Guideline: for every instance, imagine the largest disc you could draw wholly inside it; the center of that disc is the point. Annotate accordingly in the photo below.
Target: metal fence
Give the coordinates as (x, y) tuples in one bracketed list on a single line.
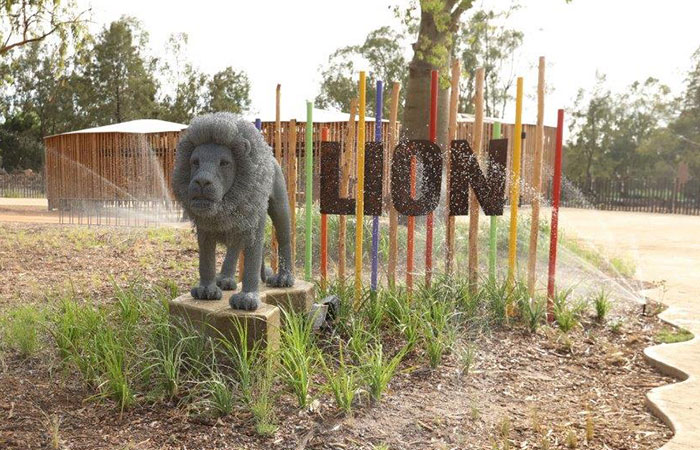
[(669, 197), (135, 213), (15, 186)]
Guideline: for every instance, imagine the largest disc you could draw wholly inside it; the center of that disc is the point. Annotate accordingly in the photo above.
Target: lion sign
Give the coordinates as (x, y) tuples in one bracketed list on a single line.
[(227, 179)]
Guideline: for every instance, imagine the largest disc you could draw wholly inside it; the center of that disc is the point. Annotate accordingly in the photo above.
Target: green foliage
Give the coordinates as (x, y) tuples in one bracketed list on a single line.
[(378, 371), (218, 394), (245, 359), (485, 41), (23, 23), (262, 406), (567, 313), (533, 311), (118, 80), (21, 330), (19, 142), (467, 355), (609, 131), (381, 53), (673, 335), (342, 382), (297, 355), (229, 91), (602, 304)]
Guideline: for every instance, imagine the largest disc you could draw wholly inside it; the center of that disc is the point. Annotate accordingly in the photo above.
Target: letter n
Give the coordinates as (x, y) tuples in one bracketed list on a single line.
[(465, 172)]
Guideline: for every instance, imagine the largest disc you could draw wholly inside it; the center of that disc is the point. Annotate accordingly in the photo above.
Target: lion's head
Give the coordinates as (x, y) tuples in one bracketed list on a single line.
[(223, 173)]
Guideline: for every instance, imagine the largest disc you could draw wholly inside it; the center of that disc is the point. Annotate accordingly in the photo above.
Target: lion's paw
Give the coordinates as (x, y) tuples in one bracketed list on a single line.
[(281, 279), (248, 301), (209, 292), (226, 283)]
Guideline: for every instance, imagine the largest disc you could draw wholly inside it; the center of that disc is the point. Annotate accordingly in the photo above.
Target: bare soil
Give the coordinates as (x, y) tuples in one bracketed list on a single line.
[(525, 391)]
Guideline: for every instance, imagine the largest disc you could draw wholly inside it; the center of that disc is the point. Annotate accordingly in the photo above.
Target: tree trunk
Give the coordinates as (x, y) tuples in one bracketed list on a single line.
[(431, 52), (416, 116)]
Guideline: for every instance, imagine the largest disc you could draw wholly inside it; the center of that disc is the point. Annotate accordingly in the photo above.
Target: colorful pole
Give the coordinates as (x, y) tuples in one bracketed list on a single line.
[(375, 220), (345, 186), (360, 195), (292, 185), (324, 232), (393, 214), (556, 191), (515, 182), (278, 157), (452, 135), (308, 194), (433, 138), (536, 183), (493, 229), (477, 144)]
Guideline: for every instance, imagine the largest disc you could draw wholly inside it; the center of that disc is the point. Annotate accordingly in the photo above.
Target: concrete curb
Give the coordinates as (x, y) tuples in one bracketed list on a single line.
[(673, 403)]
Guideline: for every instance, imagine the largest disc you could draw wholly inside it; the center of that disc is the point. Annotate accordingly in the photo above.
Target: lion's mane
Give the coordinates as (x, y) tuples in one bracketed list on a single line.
[(245, 204)]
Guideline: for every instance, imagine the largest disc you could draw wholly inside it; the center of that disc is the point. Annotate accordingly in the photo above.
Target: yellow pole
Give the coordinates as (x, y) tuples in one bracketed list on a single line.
[(359, 196), (515, 182)]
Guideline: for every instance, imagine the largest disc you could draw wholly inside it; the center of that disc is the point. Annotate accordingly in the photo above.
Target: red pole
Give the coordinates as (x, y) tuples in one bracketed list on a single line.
[(324, 231), (433, 138), (410, 232), (556, 191)]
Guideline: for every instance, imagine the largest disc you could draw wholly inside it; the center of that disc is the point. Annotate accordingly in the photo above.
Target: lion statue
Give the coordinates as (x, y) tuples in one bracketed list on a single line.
[(227, 179)]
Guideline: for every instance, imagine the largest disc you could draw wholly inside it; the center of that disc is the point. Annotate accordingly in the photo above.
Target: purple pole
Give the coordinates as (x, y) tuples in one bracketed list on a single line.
[(375, 219), (258, 124)]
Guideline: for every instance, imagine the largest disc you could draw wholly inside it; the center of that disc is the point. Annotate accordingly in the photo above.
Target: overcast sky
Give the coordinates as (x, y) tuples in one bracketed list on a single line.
[(285, 42)]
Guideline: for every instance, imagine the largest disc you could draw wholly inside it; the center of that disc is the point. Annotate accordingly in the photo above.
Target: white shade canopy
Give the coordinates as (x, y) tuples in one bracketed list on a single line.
[(141, 126)]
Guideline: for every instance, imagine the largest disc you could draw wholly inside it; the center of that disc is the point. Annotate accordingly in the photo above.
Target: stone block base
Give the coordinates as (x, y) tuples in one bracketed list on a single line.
[(216, 317)]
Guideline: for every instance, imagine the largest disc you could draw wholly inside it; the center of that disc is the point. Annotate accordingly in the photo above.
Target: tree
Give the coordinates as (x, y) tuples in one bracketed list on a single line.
[(665, 148), (381, 53), (486, 42), (438, 24), (612, 132), (118, 79), (183, 91), (591, 126), (26, 22), (44, 86), (19, 146), (228, 91)]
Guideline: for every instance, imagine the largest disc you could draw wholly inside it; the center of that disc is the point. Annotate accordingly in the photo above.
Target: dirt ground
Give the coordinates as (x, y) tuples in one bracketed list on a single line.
[(525, 390)]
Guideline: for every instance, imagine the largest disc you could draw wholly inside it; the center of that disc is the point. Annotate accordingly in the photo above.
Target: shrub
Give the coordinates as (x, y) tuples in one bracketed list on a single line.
[(378, 371), (342, 382), (297, 355), (602, 305), (21, 329)]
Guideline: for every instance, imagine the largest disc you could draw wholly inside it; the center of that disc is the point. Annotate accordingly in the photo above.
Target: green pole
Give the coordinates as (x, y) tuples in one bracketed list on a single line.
[(308, 194), (494, 223)]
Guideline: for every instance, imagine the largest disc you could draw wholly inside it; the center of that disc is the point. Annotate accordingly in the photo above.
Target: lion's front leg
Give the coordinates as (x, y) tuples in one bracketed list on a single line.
[(278, 209), (226, 279), (207, 289), (249, 298)]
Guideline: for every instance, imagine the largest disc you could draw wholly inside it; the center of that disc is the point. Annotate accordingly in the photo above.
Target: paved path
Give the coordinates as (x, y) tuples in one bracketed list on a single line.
[(665, 248), (26, 210)]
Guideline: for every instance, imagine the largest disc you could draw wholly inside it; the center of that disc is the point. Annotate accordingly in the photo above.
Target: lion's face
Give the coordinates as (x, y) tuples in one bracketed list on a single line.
[(212, 173)]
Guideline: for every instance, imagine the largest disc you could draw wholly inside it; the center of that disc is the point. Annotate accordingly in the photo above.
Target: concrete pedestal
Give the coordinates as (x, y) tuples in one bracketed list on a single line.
[(216, 317)]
